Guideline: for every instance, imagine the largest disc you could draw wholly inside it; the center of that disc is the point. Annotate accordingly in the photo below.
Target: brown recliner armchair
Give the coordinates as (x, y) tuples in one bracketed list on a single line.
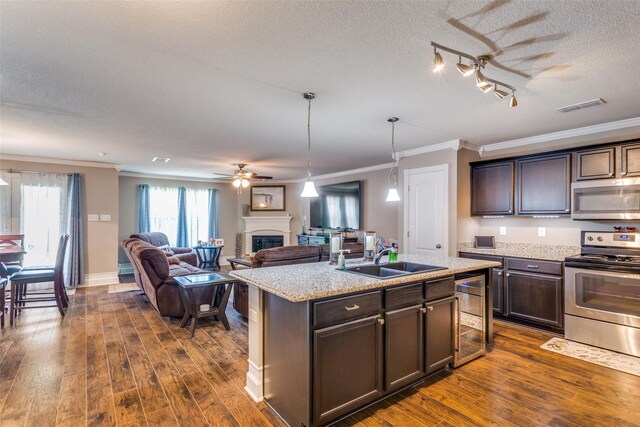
[(154, 273), (161, 240)]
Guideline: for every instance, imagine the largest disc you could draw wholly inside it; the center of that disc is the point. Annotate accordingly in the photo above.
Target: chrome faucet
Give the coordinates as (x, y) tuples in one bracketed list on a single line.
[(376, 261)]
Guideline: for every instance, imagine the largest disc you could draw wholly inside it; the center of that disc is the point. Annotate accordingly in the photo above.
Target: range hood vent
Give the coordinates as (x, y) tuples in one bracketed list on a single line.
[(582, 105)]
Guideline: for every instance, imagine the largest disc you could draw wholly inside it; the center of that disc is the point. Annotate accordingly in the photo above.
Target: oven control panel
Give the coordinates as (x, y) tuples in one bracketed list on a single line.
[(611, 239)]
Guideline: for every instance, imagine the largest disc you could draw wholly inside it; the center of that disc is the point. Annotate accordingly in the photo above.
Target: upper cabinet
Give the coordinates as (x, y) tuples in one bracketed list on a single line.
[(630, 163), (544, 185), (492, 188), (595, 164)]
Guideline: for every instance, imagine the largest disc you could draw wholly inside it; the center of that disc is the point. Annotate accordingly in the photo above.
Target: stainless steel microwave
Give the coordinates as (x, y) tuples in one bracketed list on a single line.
[(606, 199)]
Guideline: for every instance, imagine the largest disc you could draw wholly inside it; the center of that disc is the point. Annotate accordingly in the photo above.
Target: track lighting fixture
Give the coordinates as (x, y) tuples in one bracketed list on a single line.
[(476, 64)]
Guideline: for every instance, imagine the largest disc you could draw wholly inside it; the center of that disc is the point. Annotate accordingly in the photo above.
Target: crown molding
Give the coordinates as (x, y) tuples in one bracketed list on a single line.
[(173, 177), (565, 134), (20, 158), (454, 144)]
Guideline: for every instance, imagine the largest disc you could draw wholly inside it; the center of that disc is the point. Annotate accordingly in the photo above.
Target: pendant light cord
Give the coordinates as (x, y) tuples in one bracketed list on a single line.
[(392, 171), (309, 141)]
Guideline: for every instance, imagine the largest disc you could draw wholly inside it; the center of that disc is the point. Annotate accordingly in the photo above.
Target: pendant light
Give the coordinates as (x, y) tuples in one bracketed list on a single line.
[(309, 189), (3, 182), (393, 190)]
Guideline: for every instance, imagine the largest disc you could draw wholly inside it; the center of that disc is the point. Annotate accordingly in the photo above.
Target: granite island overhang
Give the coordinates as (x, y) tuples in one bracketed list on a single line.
[(291, 309)]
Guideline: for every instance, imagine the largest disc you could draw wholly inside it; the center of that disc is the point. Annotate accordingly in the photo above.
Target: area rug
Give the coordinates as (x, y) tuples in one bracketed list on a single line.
[(599, 356), (122, 287)]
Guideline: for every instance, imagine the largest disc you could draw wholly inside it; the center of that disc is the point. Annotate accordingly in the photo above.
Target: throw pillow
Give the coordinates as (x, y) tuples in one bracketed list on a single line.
[(173, 260), (166, 249)]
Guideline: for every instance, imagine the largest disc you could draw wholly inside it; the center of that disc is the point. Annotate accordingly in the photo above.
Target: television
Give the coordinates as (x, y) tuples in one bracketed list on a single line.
[(338, 206)]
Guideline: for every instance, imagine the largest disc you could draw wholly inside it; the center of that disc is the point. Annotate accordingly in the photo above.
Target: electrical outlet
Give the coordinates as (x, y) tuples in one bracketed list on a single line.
[(503, 231), (542, 231)]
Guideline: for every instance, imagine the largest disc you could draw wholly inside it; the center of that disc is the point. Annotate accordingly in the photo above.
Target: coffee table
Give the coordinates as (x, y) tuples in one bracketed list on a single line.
[(191, 309), (239, 261)]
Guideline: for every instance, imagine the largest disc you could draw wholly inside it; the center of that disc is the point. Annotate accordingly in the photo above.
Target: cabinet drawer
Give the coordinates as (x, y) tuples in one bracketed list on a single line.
[(535, 266), (403, 296), (347, 308), (439, 288)]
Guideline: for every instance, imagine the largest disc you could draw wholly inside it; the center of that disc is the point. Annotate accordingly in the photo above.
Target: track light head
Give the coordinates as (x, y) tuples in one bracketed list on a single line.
[(500, 93), (438, 62), (481, 80), (465, 70), (513, 102), (486, 87)]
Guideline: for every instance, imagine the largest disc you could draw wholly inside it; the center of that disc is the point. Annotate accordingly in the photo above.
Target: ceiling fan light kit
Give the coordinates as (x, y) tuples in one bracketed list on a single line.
[(484, 83)]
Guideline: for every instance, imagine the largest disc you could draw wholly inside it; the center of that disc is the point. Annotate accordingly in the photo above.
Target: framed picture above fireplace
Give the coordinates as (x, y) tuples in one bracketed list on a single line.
[(267, 198)]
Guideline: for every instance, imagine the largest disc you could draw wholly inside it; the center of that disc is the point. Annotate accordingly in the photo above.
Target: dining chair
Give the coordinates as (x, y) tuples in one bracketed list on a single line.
[(3, 287), (13, 262), (21, 280)]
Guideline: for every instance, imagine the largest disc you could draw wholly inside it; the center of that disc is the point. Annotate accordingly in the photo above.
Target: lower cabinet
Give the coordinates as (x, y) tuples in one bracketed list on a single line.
[(348, 367), (498, 290), (404, 346), (535, 298), (440, 325)]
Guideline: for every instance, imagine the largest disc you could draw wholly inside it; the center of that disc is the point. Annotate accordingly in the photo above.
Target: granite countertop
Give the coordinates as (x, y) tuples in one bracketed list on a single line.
[(524, 250), (305, 282)]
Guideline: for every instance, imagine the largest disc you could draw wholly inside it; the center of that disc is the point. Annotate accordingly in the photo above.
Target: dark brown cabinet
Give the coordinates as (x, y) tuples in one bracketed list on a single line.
[(498, 290), (630, 160), (348, 367), (544, 185), (595, 164), (534, 297), (439, 324), (492, 188), (404, 346)]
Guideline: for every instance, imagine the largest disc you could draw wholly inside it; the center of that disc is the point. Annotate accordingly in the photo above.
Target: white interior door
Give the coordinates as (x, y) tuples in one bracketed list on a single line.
[(426, 208)]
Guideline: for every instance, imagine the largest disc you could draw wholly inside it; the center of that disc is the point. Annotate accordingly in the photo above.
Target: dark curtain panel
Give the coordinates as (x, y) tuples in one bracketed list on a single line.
[(183, 234), (144, 223), (213, 213), (74, 268)]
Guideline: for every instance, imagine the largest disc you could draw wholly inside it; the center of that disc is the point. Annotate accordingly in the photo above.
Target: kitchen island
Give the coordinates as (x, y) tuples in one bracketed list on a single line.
[(323, 343)]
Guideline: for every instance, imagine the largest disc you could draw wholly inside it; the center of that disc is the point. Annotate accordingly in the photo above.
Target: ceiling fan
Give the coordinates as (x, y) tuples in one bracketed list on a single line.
[(241, 177)]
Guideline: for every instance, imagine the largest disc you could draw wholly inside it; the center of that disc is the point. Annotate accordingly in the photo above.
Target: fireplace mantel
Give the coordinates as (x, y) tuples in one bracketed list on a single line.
[(273, 225)]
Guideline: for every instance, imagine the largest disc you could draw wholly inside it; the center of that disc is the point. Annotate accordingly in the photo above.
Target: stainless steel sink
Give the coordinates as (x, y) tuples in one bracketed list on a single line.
[(393, 269)]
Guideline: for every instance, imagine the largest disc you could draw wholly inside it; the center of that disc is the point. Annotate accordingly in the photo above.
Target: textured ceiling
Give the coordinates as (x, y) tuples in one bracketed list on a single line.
[(212, 83)]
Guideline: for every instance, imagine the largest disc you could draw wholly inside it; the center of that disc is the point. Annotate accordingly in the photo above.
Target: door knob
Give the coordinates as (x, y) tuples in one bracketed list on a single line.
[(438, 246)]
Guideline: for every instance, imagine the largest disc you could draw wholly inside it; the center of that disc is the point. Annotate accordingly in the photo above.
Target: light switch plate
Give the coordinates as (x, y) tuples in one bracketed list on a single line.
[(503, 231), (542, 231), (93, 217), (105, 217)]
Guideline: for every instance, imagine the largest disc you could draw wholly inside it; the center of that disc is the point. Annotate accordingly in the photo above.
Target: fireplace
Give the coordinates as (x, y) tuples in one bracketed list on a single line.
[(266, 226), (266, 242)]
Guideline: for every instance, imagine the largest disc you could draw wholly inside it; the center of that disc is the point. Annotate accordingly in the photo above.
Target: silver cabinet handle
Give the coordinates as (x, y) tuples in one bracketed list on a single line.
[(424, 310), (508, 274), (567, 210), (533, 267), (353, 307), (500, 273), (430, 308), (381, 321)]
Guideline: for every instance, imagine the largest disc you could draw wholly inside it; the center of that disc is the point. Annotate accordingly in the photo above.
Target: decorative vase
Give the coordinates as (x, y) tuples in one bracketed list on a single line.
[(239, 244), (246, 211)]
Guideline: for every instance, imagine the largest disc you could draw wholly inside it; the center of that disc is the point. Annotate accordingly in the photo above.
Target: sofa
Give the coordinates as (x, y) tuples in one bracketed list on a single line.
[(161, 241), (288, 255), (154, 272)]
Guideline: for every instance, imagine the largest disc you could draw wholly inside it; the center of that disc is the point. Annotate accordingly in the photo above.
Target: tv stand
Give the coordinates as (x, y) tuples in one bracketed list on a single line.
[(320, 239)]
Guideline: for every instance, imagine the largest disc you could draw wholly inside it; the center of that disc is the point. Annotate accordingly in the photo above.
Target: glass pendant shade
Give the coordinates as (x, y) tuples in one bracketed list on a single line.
[(465, 70), (393, 195), (309, 190), (245, 183), (237, 182), (438, 62), (513, 102)]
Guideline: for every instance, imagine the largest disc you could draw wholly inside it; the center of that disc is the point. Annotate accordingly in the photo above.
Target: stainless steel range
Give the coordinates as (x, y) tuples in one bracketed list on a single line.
[(602, 292)]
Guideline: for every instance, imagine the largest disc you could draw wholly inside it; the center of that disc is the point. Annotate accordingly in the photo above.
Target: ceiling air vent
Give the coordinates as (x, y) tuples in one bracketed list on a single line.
[(160, 159), (582, 105)]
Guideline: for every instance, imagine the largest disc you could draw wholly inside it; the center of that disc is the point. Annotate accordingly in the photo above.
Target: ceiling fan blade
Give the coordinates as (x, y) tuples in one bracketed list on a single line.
[(261, 177)]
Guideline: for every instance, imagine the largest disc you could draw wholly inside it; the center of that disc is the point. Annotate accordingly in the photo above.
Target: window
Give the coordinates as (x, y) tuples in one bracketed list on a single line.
[(163, 213)]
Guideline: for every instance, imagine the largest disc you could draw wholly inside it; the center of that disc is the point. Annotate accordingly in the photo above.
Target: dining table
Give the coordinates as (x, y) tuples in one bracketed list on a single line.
[(12, 253)]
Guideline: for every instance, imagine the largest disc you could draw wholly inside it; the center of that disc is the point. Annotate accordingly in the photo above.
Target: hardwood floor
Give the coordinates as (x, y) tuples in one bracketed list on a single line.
[(113, 361)]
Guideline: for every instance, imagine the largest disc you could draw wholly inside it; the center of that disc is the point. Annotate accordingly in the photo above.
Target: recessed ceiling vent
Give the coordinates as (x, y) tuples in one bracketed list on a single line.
[(582, 105), (160, 159)]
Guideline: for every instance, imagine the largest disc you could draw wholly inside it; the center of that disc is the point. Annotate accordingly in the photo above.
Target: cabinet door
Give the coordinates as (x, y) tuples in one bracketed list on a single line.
[(534, 297), (303, 240), (630, 160), (544, 185), (440, 328), (498, 291), (347, 367), (492, 189), (404, 346), (595, 164)]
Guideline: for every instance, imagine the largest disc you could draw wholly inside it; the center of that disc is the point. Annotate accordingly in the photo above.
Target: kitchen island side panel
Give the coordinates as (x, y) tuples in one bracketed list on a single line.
[(287, 375)]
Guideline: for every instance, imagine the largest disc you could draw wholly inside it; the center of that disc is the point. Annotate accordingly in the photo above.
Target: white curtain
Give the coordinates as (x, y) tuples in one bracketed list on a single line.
[(43, 215), (163, 211), (197, 215)]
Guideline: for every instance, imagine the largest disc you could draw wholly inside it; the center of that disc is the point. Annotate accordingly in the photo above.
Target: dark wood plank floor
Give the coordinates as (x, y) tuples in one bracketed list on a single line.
[(113, 361)]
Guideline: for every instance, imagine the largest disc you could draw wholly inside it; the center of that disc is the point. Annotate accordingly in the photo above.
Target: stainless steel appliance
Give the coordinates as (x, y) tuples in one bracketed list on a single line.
[(470, 320), (602, 292), (606, 199)]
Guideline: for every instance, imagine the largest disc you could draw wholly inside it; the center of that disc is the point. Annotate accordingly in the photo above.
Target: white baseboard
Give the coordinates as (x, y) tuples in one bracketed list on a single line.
[(100, 279), (254, 382)]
